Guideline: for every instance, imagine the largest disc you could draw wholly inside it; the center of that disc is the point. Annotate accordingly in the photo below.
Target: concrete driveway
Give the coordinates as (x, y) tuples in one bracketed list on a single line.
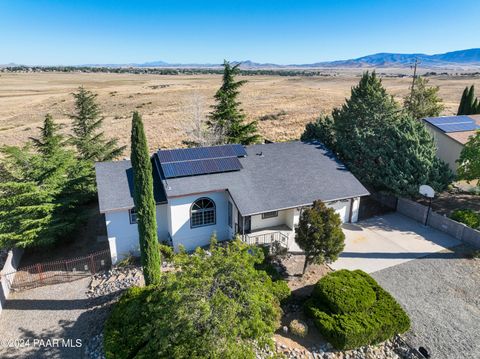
[(385, 241)]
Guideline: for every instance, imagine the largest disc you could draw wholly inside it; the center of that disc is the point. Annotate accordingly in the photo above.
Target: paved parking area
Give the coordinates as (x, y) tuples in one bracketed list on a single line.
[(441, 294), (385, 241), (46, 322)]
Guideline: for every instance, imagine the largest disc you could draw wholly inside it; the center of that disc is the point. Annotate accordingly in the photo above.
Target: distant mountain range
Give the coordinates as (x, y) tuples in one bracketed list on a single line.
[(455, 59)]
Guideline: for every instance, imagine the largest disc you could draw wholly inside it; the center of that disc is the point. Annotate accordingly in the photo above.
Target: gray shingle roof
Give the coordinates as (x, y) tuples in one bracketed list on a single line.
[(115, 185), (286, 175)]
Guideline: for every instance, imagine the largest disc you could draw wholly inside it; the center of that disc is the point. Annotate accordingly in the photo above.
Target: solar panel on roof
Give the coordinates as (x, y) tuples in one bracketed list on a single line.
[(449, 124), (200, 160), (189, 154), (199, 167)]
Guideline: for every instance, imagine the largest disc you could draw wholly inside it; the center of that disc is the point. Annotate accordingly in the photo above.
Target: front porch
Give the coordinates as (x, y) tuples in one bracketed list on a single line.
[(281, 234)]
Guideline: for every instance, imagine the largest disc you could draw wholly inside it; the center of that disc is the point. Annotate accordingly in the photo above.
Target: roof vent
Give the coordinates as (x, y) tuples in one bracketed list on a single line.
[(260, 154)]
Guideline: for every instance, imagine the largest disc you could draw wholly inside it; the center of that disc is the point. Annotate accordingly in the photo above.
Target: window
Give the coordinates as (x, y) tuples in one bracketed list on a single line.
[(267, 215), (133, 216), (202, 213), (230, 214)]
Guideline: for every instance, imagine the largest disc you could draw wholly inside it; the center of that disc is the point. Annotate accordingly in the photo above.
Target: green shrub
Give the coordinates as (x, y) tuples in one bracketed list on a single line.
[(298, 328), (214, 305), (348, 323), (281, 290), (466, 216), (345, 292), (129, 260), (166, 251)]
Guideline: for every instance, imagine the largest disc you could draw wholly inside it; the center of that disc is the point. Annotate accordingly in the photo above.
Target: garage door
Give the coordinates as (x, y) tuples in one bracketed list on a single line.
[(342, 208)]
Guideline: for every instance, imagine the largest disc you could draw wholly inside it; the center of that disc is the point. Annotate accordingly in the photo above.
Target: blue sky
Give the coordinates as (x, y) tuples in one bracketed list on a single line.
[(48, 32)]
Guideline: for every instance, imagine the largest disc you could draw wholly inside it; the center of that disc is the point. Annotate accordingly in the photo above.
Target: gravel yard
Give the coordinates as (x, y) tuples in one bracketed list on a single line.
[(60, 311), (441, 293)]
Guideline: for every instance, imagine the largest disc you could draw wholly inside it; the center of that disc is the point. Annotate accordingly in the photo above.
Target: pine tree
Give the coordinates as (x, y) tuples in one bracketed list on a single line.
[(145, 203), (87, 122), (227, 120), (423, 101), (50, 140), (41, 193), (382, 145), (368, 108)]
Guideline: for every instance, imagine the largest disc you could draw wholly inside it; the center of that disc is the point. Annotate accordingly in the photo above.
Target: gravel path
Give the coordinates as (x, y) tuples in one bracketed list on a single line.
[(59, 311), (441, 293)]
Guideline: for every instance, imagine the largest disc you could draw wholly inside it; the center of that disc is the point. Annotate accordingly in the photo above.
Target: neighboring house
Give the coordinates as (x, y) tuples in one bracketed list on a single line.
[(256, 191), (451, 133)]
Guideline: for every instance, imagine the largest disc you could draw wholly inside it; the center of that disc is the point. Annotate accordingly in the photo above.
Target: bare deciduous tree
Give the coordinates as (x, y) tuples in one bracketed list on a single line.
[(198, 133)]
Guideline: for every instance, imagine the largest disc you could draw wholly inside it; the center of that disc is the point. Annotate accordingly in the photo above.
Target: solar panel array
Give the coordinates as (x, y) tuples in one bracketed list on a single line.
[(200, 153), (200, 160), (450, 124)]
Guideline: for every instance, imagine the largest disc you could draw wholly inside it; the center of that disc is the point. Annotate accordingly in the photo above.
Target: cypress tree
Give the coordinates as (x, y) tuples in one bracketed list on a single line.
[(461, 106), (145, 203), (469, 102), (226, 120), (87, 122)]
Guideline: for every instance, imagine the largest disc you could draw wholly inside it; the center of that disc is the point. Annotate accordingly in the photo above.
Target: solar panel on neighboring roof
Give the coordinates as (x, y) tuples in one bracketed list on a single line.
[(200, 160), (450, 124)]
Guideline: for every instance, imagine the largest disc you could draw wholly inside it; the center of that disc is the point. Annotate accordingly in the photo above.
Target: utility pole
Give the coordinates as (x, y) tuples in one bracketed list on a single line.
[(414, 74)]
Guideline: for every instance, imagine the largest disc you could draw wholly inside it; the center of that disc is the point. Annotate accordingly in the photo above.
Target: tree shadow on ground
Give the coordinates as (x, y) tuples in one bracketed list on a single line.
[(66, 341)]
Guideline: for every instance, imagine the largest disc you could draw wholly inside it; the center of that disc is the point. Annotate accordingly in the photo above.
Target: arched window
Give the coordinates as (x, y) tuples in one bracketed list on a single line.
[(202, 213)]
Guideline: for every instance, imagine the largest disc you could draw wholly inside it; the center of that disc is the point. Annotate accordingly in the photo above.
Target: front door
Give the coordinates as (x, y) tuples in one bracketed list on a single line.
[(244, 224)]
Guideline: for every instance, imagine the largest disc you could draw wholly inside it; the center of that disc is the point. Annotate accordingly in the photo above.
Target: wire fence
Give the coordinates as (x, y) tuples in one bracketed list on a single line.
[(66, 270)]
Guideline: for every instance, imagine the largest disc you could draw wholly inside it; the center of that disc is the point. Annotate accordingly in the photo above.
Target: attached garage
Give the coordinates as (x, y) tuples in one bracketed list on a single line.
[(347, 209)]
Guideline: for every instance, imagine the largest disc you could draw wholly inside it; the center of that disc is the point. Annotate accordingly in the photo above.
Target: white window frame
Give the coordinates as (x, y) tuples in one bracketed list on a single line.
[(132, 215), (203, 212)]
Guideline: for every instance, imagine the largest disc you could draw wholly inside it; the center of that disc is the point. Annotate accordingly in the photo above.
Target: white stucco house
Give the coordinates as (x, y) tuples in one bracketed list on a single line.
[(256, 191)]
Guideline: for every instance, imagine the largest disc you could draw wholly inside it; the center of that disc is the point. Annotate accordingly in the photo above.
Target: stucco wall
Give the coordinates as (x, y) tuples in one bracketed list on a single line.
[(123, 236), (355, 208), (447, 149), (7, 274), (258, 222), (190, 238)]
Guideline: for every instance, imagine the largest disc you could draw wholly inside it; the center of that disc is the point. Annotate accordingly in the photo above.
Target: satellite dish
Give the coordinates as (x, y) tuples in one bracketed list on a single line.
[(427, 191)]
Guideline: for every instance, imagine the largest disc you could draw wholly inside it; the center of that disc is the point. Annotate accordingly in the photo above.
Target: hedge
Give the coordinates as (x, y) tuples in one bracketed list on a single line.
[(349, 323), (466, 216)]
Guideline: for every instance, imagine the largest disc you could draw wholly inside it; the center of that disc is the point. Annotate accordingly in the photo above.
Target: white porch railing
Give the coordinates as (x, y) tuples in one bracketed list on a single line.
[(266, 239)]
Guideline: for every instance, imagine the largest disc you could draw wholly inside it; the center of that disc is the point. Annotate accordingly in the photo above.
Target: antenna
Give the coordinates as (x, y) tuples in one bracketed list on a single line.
[(414, 66)]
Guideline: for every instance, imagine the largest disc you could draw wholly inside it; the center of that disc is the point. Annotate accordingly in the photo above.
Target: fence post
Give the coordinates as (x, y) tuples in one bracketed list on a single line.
[(92, 264), (66, 269), (39, 271)]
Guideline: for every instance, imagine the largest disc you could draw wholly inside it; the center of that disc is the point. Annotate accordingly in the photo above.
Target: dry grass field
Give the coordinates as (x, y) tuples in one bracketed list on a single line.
[(168, 103)]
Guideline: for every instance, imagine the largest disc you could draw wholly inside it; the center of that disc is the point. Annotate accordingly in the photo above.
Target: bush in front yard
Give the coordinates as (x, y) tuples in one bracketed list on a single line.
[(298, 328), (214, 304), (351, 310), (345, 292), (466, 216)]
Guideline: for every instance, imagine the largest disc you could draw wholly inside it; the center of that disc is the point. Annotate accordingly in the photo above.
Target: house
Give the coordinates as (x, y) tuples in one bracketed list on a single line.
[(255, 191), (451, 133)]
